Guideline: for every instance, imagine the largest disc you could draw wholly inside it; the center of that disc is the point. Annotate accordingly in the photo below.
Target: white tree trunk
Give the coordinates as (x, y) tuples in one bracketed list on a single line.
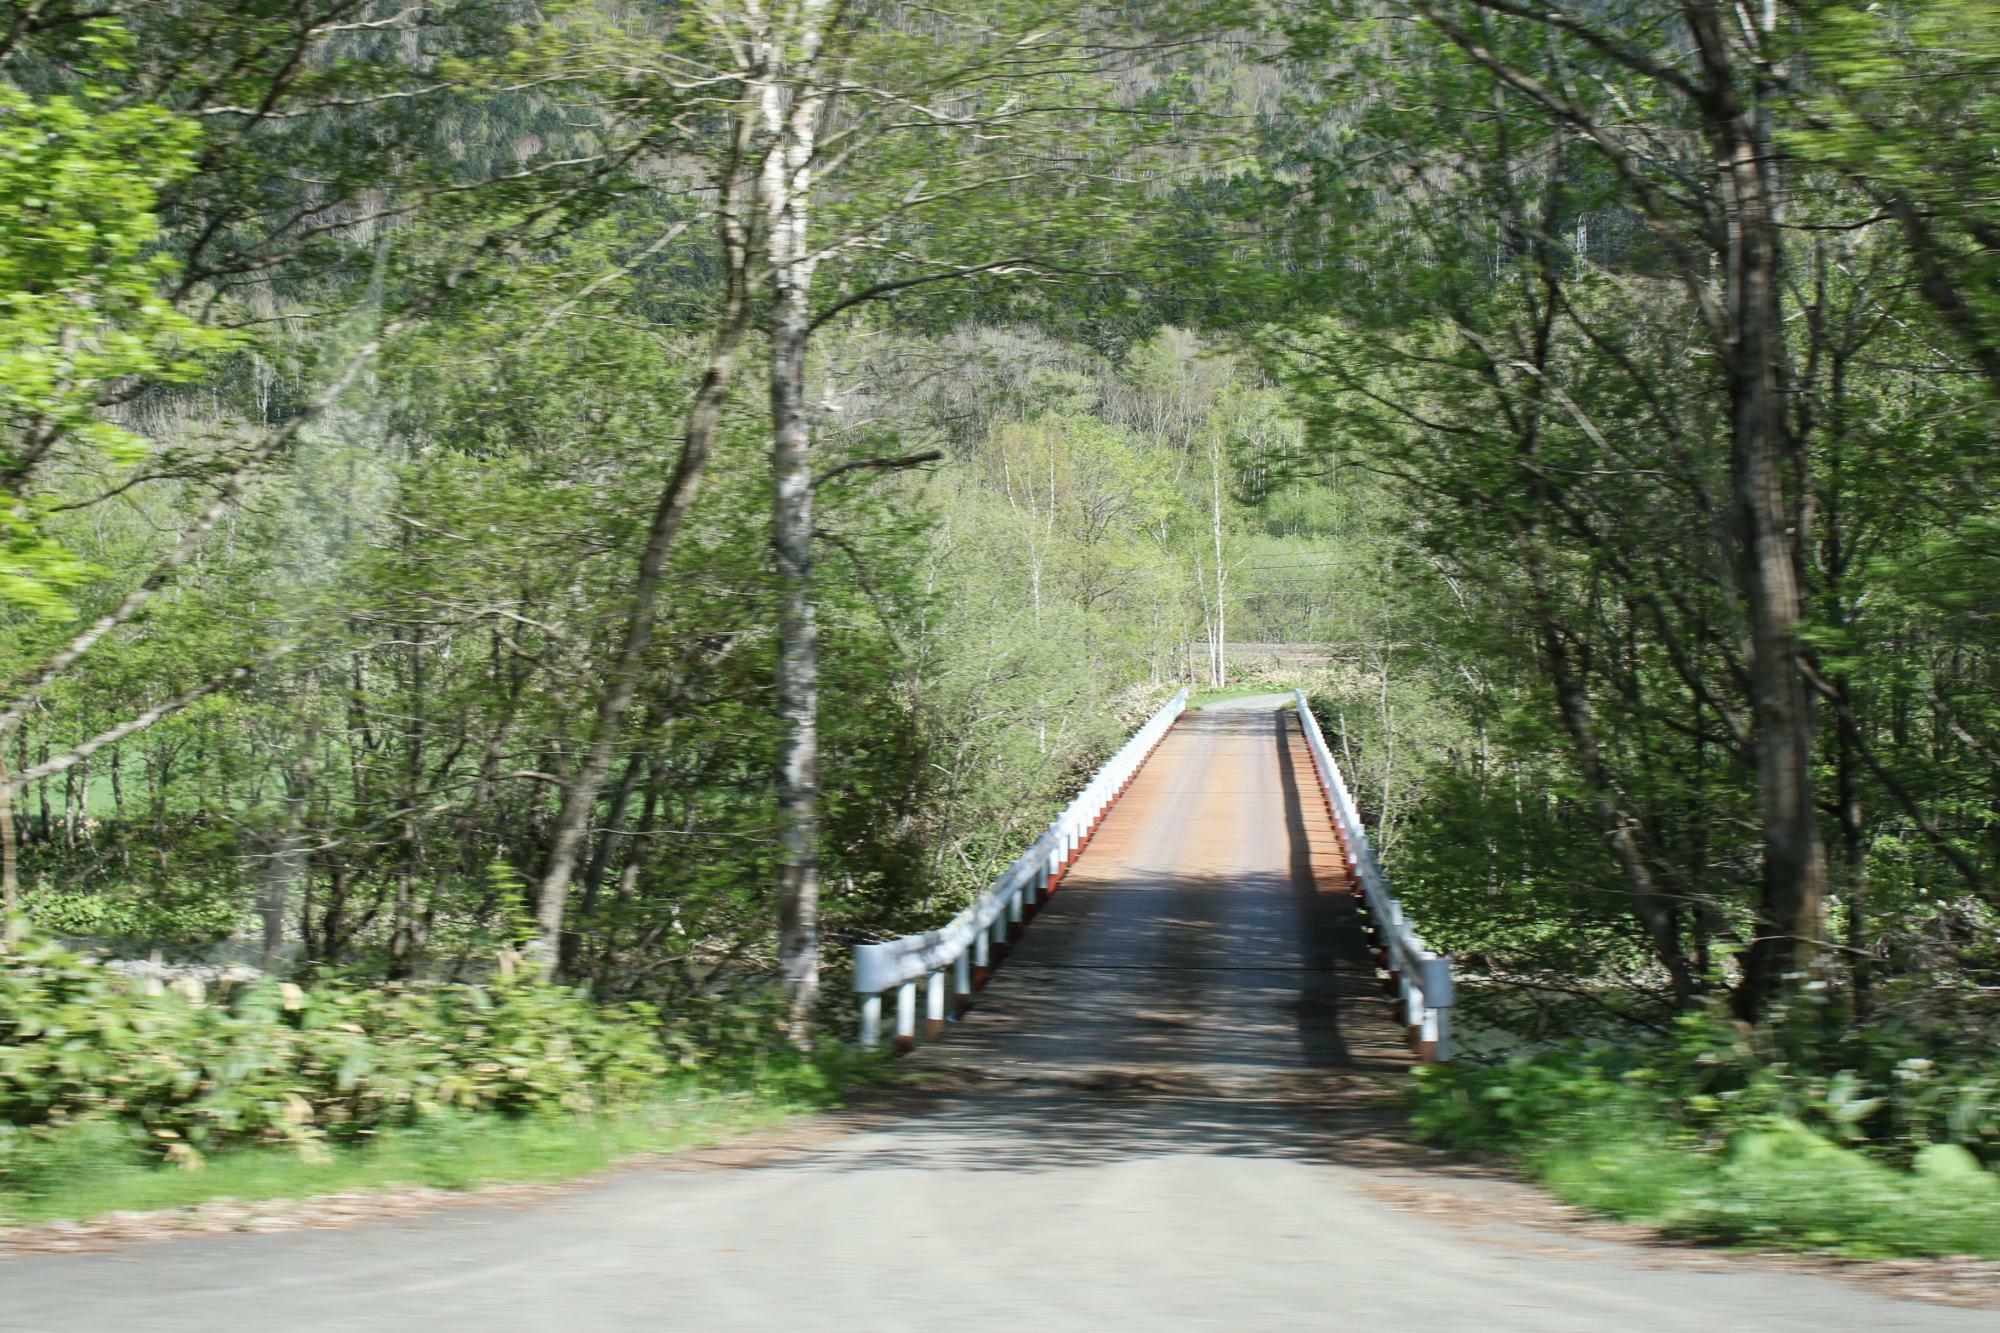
[(1221, 569), (792, 108)]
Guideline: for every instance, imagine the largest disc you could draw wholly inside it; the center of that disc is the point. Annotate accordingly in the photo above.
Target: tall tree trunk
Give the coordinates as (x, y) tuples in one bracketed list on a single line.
[(406, 934), (271, 902), (336, 907), (75, 786), (118, 807), (1221, 570), (788, 193), (621, 677), (798, 686), (1763, 450), (1854, 846), (1384, 828), (10, 886), (45, 819), (1618, 827), (600, 860)]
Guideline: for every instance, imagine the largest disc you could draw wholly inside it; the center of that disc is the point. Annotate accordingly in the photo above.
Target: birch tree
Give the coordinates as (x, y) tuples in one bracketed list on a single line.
[(906, 152)]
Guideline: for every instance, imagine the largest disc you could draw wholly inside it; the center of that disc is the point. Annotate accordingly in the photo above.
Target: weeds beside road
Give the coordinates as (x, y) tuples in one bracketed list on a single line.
[(117, 1095), (1867, 1145)]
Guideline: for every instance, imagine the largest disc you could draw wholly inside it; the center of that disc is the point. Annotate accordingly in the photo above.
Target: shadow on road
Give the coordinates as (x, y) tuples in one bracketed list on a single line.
[(1329, 926), (1053, 1123)]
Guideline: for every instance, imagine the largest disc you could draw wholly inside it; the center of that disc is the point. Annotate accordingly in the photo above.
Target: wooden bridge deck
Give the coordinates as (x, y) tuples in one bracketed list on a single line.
[(1208, 928)]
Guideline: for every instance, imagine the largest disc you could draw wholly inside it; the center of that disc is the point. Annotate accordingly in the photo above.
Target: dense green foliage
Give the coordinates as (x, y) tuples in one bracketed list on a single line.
[(1879, 1141), (313, 664), (1528, 325), (1664, 335), (114, 1087), (189, 1073)]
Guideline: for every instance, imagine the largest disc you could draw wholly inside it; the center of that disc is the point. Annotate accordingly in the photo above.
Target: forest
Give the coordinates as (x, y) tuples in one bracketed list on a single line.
[(608, 504)]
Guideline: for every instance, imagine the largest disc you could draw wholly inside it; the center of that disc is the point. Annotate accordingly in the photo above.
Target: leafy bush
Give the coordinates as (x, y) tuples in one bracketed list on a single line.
[(1893, 1089), (180, 910), (274, 1063), (1779, 1183), (1873, 1141)]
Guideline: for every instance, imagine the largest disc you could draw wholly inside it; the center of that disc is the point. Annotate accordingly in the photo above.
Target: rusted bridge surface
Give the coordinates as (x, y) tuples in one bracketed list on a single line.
[(1209, 926)]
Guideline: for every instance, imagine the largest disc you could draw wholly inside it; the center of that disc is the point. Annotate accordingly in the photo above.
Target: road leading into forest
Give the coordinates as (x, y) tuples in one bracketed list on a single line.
[(1171, 1109)]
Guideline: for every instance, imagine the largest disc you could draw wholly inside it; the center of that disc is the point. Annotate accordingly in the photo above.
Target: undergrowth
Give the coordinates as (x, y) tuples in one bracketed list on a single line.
[(90, 1169), (1868, 1143), (120, 1094)]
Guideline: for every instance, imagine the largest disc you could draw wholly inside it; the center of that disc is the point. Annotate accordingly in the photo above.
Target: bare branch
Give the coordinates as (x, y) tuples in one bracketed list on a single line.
[(879, 465)]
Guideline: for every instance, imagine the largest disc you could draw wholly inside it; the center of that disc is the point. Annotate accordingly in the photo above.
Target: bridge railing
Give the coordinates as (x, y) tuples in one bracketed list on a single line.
[(1419, 979), (949, 962)]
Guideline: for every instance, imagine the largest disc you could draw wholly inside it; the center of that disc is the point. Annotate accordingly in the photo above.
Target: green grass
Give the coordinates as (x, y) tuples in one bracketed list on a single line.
[(1708, 1167), (94, 1169), (1781, 1187)]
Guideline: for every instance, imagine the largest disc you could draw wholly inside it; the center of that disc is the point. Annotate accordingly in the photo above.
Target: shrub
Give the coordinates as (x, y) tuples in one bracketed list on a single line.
[(272, 1062), (1789, 1135), (1892, 1089), (179, 911)]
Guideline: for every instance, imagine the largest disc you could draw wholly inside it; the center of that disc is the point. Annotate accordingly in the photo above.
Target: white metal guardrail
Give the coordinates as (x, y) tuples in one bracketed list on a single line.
[(950, 962), (1419, 979)]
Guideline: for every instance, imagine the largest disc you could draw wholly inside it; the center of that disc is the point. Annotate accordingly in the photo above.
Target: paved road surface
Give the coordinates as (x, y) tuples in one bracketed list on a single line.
[(1167, 1112)]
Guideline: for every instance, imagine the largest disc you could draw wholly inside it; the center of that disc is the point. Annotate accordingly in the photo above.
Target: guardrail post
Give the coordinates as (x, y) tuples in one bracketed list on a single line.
[(934, 1005), (961, 983), (871, 1022), (1440, 994), (1394, 928), (906, 1015)]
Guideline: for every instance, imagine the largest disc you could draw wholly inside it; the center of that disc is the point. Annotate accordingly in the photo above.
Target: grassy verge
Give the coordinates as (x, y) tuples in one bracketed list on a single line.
[(1762, 1155), (117, 1096), (1779, 1186), (95, 1168)]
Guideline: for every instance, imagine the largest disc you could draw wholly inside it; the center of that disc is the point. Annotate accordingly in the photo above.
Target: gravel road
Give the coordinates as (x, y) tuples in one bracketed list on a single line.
[(1170, 1110)]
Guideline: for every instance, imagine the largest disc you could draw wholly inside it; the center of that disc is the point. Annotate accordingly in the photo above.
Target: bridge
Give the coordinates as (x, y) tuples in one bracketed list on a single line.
[(1215, 877), (1162, 1096)]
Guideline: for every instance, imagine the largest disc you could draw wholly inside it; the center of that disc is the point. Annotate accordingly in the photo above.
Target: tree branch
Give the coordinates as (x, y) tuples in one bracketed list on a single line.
[(141, 722), (879, 465)]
